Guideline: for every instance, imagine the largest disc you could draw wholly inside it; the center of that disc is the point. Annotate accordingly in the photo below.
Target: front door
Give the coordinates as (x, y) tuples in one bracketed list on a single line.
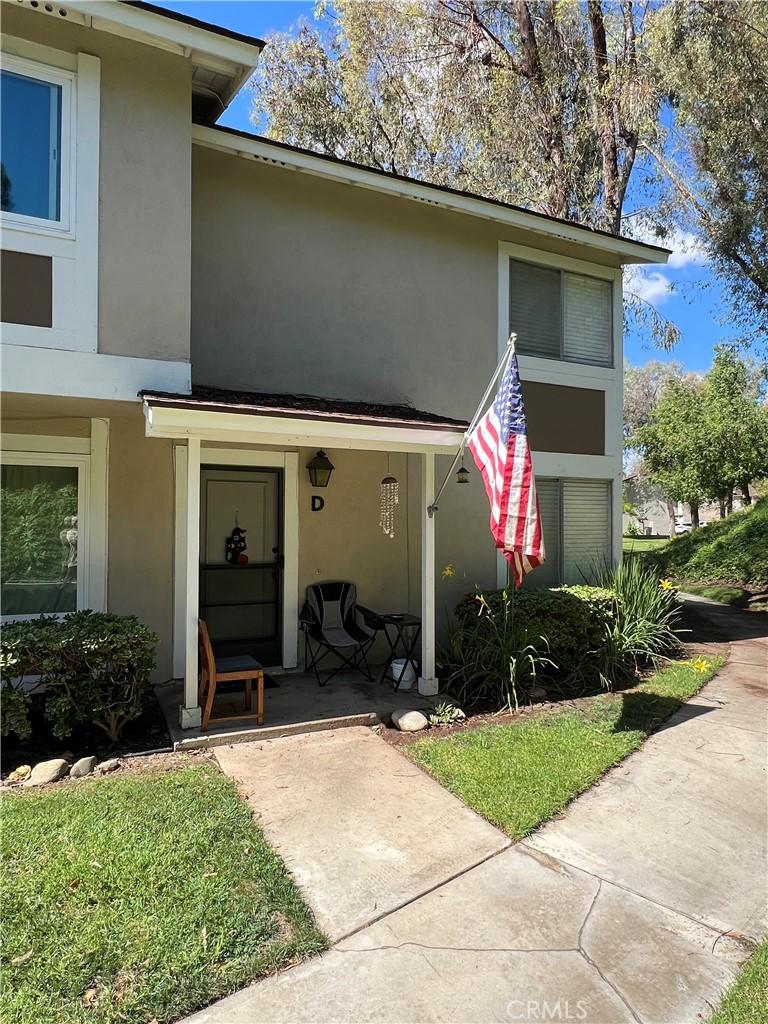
[(240, 593)]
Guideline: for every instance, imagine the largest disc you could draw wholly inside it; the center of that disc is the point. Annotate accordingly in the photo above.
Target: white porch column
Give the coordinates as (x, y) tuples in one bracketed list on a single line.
[(190, 713), (428, 679)]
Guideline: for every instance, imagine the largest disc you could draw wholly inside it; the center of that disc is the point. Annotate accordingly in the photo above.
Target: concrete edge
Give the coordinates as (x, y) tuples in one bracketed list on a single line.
[(272, 732)]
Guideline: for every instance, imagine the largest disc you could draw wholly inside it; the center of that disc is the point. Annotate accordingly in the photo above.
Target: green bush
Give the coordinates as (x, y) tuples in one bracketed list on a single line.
[(503, 642), (95, 667), (15, 712)]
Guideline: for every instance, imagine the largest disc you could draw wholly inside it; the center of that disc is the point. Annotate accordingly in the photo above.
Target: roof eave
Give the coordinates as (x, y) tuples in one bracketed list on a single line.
[(277, 154)]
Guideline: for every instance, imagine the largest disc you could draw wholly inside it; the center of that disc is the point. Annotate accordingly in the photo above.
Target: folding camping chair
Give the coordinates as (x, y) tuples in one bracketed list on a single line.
[(329, 623)]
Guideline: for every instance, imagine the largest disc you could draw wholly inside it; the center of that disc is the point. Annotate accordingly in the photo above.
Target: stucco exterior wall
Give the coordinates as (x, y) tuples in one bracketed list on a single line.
[(144, 186)]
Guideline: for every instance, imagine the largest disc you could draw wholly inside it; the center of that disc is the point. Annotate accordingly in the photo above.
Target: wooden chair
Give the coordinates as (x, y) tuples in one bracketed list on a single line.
[(226, 670)]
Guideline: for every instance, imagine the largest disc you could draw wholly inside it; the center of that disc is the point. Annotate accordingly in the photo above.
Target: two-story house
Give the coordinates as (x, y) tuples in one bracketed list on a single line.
[(191, 313)]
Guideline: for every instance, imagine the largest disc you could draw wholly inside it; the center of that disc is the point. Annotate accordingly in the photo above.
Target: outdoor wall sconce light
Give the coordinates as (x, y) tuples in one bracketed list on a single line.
[(320, 469), (462, 474)]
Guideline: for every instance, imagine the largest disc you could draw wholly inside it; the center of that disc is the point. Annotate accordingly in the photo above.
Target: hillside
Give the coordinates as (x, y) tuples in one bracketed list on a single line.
[(730, 551)]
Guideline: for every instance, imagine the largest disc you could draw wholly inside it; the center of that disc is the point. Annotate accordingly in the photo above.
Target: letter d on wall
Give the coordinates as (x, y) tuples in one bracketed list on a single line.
[(318, 503)]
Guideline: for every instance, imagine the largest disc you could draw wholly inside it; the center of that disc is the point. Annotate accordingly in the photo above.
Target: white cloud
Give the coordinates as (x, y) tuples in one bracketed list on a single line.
[(651, 285), (687, 248)]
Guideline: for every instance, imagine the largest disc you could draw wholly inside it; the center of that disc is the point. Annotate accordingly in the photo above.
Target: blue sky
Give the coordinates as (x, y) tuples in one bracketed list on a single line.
[(676, 290)]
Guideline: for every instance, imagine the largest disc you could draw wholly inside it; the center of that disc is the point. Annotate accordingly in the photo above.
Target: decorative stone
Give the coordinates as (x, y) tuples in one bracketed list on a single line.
[(538, 694), (47, 771), (20, 773), (409, 721), (110, 765), (82, 767)]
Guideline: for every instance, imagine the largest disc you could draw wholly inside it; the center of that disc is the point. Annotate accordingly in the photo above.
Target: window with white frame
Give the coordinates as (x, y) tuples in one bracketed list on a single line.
[(576, 523), (36, 144), (44, 539), (558, 314)]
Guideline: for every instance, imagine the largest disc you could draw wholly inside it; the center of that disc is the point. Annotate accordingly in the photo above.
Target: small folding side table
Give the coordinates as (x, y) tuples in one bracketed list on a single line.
[(403, 632)]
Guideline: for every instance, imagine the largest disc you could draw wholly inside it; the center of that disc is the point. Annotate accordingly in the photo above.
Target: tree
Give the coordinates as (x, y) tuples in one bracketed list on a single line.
[(643, 387), (536, 103), (711, 61), (707, 436)]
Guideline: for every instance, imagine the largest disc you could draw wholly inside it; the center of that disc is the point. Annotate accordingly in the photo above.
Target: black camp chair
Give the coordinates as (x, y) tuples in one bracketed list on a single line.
[(329, 623)]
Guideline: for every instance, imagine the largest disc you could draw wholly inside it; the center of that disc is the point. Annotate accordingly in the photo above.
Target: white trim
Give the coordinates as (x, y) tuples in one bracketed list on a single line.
[(309, 163), (30, 371), (98, 503), (579, 467), (288, 462), (192, 572), (179, 561), (427, 680), (65, 79), (45, 443), (90, 457), (235, 427), (73, 241)]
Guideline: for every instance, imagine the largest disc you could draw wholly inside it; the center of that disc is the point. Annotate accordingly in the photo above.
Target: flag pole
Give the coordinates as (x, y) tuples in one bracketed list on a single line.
[(508, 352)]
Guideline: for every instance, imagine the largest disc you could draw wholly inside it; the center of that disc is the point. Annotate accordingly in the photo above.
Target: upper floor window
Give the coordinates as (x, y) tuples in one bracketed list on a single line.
[(35, 144), (560, 315)]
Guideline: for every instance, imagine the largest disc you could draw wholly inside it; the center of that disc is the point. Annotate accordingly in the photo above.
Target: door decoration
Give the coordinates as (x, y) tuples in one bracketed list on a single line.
[(389, 499), (236, 546)]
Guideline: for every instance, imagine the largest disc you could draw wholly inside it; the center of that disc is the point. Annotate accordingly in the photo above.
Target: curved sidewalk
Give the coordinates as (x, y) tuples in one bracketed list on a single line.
[(638, 905)]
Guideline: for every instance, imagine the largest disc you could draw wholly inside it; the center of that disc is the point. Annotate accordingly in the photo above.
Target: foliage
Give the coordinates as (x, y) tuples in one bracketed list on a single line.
[(522, 774), (539, 104), (731, 551), (711, 61), (704, 438), (95, 667), (140, 897), (502, 642), (746, 1001), (643, 387), (633, 530), (15, 712), (446, 713), (32, 519), (642, 628)]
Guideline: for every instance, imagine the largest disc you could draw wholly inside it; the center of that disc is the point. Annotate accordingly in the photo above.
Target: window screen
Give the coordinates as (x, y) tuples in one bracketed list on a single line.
[(548, 574), (586, 528), (558, 315), (587, 320), (534, 309)]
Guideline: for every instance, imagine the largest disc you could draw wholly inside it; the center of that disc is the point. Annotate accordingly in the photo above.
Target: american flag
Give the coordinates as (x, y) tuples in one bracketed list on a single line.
[(499, 446)]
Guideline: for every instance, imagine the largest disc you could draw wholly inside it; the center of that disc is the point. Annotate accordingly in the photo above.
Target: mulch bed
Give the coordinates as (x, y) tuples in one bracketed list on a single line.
[(539, 710)]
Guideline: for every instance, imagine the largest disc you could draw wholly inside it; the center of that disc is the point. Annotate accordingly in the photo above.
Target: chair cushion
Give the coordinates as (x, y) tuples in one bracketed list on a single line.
[(239, 663)]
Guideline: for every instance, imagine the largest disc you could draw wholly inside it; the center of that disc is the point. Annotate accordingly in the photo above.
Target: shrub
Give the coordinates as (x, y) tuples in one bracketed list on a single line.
[(95, 667), (502, 641), (15, 710)]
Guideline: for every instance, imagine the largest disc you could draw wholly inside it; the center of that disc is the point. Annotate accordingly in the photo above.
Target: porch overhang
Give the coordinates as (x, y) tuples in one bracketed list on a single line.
[(298, 420)]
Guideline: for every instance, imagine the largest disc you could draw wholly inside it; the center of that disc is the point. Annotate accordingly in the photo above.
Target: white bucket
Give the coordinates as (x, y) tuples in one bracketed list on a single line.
[(399, 665)]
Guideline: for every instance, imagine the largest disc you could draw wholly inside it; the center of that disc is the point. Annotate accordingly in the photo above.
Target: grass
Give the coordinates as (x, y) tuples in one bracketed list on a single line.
[(640, 544), (731, 551), (138, 898), (726, 595), (519, 775), (746, 1001)]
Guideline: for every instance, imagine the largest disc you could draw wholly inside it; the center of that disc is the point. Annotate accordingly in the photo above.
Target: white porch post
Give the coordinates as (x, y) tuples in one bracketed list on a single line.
[(427, 680), (190, 713)]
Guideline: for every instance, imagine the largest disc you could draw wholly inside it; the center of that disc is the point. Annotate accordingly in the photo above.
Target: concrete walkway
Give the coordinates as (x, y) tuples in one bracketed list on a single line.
[(638, 905)]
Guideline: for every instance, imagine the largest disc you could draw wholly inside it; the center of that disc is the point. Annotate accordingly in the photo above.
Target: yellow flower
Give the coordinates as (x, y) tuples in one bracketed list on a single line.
[(448, 571), (666, 584), (701, 664)]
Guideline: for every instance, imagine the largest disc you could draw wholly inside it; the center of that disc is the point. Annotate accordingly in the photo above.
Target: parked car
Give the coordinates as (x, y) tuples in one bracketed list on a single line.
[(683, 527)]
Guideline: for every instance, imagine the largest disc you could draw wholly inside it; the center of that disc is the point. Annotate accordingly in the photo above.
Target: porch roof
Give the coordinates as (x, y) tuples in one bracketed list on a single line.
[(299, 419)]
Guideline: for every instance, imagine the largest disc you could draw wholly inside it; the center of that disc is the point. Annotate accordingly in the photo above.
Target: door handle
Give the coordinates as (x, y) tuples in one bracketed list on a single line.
[(279, 558)]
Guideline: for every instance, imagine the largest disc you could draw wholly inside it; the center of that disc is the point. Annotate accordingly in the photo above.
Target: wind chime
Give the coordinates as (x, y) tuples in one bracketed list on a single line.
[(389, 498)]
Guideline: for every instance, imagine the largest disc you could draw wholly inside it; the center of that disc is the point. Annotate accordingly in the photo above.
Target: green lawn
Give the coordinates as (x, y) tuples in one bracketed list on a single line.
[(139, 897), (640, 544), (746, 1001), (519, 775)]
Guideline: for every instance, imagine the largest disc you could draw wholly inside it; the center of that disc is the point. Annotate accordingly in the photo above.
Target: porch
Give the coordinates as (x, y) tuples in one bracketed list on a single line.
[(243, 459), (296, 704)]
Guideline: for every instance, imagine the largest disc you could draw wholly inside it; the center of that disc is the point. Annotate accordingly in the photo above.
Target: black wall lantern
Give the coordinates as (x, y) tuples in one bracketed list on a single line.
[(320, 469)]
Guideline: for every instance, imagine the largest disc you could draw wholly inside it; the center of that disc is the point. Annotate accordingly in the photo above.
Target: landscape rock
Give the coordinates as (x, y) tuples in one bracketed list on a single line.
[(47, 771), (20, 773), (409, 721), (110, 765), (537, 695), (82, 767)]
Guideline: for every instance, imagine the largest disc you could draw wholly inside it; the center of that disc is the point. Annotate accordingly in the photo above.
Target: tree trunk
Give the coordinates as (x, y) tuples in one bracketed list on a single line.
[(729, 501), (721, 503), (695, 514), (745, 491), (671, 514)]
